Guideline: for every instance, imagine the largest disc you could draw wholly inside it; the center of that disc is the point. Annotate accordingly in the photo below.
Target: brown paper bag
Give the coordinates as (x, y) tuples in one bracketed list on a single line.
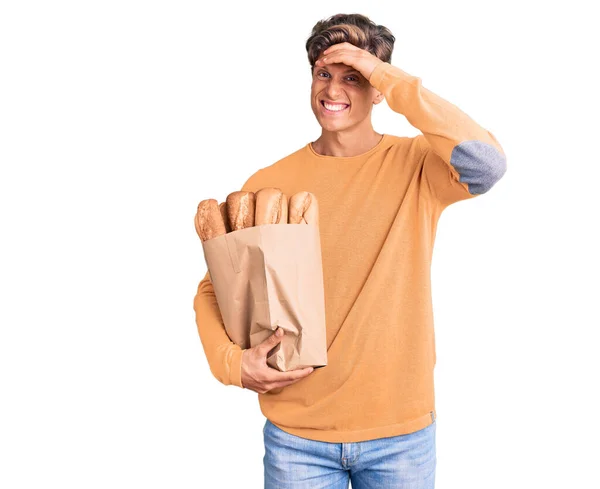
[(268, 276)]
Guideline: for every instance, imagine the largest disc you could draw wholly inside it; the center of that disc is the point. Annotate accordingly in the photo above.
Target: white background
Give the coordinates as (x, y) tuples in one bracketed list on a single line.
[(118, 117)]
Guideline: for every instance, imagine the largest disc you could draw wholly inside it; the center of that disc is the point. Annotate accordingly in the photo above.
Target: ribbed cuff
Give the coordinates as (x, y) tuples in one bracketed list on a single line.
[(383, 70), (235, 368), (378, 74)]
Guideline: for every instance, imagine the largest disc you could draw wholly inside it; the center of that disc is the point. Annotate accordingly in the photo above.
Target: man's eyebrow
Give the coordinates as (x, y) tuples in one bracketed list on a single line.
[(348, 70)]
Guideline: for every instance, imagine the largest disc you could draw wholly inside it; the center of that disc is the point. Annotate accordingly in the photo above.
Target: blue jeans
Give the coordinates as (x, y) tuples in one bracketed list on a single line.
[(403, 462)]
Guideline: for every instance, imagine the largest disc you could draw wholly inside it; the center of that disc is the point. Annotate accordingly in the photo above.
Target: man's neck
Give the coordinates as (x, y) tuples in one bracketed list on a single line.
[(340, 144)]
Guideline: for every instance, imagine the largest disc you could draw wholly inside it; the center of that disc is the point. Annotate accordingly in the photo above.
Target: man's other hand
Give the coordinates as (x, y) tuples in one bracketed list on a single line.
[(258, 376)]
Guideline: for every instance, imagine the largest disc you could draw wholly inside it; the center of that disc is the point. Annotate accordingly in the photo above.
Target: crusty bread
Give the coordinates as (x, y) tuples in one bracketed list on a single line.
[(240, 209), (271, 207), (224, 216), (283, 219), (303, 209), (208, 221)]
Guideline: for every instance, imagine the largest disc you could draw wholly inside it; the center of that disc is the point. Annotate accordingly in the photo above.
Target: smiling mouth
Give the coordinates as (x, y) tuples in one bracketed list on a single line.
[(335, 108)]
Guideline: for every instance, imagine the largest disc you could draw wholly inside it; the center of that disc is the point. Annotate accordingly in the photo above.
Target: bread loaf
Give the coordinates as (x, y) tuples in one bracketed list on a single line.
[(271, 207), (303, 209), (223, 209), (240, 209), (284, 210), (208, 221)]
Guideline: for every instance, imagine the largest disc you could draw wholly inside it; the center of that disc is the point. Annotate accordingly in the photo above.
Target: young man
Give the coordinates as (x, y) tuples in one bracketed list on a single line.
[(369, 415)]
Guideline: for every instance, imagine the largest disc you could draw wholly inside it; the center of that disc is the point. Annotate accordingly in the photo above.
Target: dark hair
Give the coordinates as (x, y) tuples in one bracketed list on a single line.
[(356, 29)]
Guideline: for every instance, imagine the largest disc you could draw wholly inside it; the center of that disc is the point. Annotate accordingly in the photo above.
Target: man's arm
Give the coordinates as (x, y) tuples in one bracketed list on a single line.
[(223, 355), (461, 159)]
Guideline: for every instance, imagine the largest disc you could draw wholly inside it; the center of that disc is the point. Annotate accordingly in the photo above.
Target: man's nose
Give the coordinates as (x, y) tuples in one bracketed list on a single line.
[(334, 89)]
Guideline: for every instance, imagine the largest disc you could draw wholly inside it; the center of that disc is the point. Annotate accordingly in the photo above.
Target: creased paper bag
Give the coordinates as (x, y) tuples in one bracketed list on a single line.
[(268, 276)]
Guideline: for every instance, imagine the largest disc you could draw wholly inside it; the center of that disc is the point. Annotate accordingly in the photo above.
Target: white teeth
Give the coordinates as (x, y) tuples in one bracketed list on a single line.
[(334, 107)]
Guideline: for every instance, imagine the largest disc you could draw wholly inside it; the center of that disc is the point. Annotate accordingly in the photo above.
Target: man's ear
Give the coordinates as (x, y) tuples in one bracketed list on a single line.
[(378, 97)]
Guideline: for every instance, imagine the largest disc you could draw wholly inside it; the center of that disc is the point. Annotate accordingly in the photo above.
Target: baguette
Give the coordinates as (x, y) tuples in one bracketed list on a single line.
[(208, 221), (283, 219), (303, 209), (223, 209), (271, 207), (240, 209)]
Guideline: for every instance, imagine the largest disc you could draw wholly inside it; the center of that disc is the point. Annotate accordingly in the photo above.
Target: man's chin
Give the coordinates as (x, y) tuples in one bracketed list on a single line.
[(333, 125)]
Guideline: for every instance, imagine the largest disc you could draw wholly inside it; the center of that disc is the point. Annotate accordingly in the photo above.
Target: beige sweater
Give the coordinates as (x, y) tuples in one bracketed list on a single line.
[(378, 217)]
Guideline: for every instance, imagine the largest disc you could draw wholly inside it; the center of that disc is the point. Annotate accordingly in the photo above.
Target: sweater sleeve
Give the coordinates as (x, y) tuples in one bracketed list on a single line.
[(460, 159), (223, 355)]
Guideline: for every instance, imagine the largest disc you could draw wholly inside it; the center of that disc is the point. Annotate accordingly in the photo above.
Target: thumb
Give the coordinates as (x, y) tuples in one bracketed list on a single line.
[(271, 341)]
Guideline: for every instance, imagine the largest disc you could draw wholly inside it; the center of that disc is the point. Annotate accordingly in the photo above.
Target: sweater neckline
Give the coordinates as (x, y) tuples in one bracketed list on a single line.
[(375, 148)]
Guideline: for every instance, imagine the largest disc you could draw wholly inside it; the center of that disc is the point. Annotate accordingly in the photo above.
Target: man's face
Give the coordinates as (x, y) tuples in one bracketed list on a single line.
[(341, 84)]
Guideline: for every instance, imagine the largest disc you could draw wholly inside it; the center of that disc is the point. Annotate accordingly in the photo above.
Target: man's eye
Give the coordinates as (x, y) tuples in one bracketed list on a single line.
[(353, 78)]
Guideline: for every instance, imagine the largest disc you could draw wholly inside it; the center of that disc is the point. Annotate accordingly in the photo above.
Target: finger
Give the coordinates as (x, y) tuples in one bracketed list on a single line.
[(292, 375), (331, 57), (338, 57), (268, 344), (338, 46), (283, 383)]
